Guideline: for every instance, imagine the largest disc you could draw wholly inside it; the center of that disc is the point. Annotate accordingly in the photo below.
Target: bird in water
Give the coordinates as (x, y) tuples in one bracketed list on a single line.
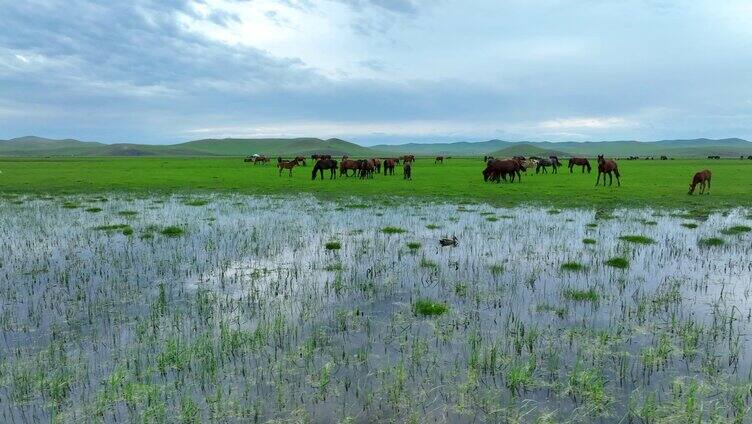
[(449, 241)]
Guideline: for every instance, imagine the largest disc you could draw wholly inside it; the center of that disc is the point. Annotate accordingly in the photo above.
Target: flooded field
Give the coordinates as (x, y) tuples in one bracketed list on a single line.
[(258, 309)]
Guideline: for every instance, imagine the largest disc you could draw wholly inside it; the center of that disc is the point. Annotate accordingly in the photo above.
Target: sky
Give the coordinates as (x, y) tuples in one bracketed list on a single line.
[(376, 71)]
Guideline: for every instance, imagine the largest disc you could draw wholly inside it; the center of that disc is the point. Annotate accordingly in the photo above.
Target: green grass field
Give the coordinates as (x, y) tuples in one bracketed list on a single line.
[(644, 183)]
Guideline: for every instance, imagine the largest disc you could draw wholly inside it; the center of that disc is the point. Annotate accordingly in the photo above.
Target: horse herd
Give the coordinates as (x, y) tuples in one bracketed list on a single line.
[(495, 171)]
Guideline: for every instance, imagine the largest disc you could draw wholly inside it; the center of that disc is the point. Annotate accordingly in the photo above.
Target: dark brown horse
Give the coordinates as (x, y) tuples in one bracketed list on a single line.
[(300, 160), (347, 165), (583, 162), (376, 165), (606, 167), (439, 159), (543, 165), (407, 170), (408, 158), (389, 166), (317, 156), (702, 178), (286, 164), (498, 169), (323, 164), (365, 168)]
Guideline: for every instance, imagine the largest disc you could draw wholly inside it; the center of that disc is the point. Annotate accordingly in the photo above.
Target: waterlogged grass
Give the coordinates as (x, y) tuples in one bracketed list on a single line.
[(589, 295), (637, 239), (93, 210), (711, 242), (333, 245), (589, 241), (249, 318), (736, 230), (690, 225), (172, 231), (429, 308), (618, 262), (572, 266), (393, 230)]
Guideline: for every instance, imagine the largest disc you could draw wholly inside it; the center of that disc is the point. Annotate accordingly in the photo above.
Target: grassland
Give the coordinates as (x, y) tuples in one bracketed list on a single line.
[(660, 184)]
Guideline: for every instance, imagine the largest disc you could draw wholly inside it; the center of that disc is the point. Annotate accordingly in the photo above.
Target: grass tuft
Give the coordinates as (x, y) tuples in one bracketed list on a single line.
[(618, 262), (711, 242), (589, 295), (392, 230), (172, 231), (572, 266), (429, 308), (735, 230), (413, 245), (589, 241), (333, 245), (637, 239)]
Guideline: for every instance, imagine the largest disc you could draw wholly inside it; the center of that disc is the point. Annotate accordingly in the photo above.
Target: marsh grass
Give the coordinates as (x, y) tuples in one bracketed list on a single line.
[(429, 308), (589, 241), (711, 242), (589, 295), (196, 202), (93, 210), (333, 245), (572, 266), (172, 231), (496, 269), (618, 262), (127, 213), (413, 245), (393, 230), (736, 230), (690, 225), (637, 239)]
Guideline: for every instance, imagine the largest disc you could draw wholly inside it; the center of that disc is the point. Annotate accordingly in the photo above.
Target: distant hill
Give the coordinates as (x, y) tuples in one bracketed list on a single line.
[(527, 149), (701, 147), (37, 146)]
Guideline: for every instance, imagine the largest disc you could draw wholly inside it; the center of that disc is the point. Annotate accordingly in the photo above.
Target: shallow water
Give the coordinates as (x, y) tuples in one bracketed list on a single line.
[(248, 317)]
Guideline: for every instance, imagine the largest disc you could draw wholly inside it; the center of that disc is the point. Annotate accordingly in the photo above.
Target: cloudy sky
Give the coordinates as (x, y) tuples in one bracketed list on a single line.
[(376, 70)]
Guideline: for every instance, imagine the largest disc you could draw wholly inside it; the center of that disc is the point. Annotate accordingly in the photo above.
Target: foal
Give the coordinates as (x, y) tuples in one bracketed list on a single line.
[(702, 178), (286, 164)]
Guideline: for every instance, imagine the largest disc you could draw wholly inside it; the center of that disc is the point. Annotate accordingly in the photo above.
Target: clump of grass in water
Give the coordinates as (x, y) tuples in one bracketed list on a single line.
[(111, 227), (197, 202), (460, 289), (735, 230), (589, 295), (491, 219), (172, 231), (618, 262), (689, 225), (413, 245), (572, 266), (128, 214), (591, 225), (94, 210), (497, 269), (433, 226), (427, 263), (334, 267), (637, 239), (429, 308), (70, 205), (333, 245), (603, 214), (711, 241), (392, 230), (554, 212), (589, 241)]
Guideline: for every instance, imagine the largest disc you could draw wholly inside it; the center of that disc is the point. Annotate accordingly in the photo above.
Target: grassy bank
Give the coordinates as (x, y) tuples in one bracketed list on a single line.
[(644, 183)]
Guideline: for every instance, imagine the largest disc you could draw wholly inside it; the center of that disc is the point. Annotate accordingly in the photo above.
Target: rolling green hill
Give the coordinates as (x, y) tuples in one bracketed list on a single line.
[(273, 147)]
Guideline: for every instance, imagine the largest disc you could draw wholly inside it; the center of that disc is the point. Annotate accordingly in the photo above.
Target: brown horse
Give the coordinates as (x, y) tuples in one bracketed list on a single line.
[(408, 158), (389, 166), (262, 159), (365, 168), (323, 164), (498, 169), (286, 164), (300, 160), (439, 159), (583, 162), (376, 165), (606, 167), (407, 170), (347, 165), (702, 178)]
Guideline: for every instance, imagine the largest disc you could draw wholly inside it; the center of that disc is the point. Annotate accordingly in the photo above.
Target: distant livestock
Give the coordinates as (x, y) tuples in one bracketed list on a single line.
[(583, 162), (407, 170), (323, 164)]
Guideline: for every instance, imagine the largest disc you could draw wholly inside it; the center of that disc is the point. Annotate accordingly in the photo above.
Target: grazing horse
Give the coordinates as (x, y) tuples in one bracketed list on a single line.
[(263, 159), (389, 166), (702, 178), (249, 159), (300, 160), (498, 169), (606, 167), (323, 164), (407, 170), (408, 158), (581, 162), (346, 165), (365, 168), (714, 157), (286, 164), (664, 157), (543, 164), (439, 159), (530, 163)]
